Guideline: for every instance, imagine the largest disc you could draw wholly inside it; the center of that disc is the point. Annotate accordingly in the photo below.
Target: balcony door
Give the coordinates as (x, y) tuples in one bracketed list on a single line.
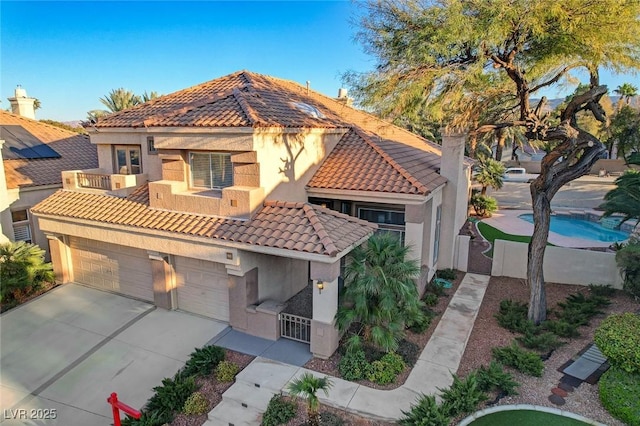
[(128, 161)]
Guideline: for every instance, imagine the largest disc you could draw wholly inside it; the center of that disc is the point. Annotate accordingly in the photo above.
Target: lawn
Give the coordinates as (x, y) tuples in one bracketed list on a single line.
[(525, 418), (491, 234)]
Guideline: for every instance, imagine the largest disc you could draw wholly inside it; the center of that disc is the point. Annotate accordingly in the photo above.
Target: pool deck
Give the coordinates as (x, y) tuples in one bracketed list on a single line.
[(508, 221)]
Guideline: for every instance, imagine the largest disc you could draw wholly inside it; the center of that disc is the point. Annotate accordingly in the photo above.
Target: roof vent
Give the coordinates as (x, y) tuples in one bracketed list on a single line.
[(310, 110), (342, 93)]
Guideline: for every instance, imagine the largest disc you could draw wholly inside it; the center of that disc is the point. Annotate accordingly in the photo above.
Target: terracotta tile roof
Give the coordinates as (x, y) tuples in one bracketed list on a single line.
[(292, 226), (366, 162), (76, 152)]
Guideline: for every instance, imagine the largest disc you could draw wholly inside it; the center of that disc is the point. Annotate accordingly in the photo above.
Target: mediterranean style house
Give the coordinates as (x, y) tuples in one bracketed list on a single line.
[(33, 156), (228, 198)]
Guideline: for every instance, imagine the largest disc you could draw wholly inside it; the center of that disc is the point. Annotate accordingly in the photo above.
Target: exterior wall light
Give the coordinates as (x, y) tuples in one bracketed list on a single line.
[(320, 285)]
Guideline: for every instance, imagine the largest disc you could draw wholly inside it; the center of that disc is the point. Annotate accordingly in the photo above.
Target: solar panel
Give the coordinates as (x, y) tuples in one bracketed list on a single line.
[(21, 144)]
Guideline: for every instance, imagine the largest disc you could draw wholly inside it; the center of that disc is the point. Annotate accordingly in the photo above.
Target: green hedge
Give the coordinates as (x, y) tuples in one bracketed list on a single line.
[(620, 395), (618, 338)]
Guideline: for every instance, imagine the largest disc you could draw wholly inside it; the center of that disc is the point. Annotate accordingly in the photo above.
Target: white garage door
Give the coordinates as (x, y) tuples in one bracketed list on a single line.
[(112, 267), (202, 287)]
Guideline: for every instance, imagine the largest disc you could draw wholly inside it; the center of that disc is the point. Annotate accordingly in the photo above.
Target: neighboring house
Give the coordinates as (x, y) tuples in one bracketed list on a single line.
[(227, 198), (34, 155)]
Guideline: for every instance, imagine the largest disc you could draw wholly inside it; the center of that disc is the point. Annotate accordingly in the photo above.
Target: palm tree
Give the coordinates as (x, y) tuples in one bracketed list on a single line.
[(626, 92), (146, 97), (380, 298), (307, 387), (23, 267), (625, 197), (119, 99), (490, 173)]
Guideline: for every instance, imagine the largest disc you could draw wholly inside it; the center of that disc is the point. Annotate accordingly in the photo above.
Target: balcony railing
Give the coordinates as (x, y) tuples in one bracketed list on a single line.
[(94, 180)]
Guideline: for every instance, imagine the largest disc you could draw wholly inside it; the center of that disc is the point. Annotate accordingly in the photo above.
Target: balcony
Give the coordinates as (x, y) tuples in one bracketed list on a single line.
[(99, 181)]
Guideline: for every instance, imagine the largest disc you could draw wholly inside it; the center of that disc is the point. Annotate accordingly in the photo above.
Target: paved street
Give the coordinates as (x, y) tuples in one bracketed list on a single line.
[(578, 194)]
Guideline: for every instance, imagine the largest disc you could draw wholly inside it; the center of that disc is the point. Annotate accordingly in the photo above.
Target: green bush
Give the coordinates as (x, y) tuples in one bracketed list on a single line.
[(620, 395), (628, 260), (494, 378), (353, 365), (578, 309), (279, 411), (542, 342), (618, 338), (203, 361), (409, 352), (23, 269), (463, 396), (196, 404), (426, 412), (446, 274), (430, 299), (171, 396), (561, 328), (512, 315), (483, 204), (148, 419), (422, 323), (524, 361), (226, 371), (601, 290), (385, 370)]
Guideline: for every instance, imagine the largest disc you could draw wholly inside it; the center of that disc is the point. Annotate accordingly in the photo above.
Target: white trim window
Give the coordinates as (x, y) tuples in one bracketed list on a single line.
[(21, 225), (128, 160), (391, 221), (212, 170)]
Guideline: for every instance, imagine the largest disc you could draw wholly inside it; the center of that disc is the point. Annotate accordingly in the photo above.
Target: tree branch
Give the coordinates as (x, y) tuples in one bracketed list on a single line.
[(553, 80)]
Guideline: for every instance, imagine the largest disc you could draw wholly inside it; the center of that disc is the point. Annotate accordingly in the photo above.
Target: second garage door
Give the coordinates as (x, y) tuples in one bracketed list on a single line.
[(112, 267), (202, 287)]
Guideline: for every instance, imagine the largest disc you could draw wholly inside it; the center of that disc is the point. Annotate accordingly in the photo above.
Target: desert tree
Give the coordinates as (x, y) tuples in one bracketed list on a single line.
[(447, 59)]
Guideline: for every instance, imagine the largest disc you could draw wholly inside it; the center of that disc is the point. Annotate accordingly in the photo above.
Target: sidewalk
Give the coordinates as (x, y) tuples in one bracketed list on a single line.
[(439, 359)]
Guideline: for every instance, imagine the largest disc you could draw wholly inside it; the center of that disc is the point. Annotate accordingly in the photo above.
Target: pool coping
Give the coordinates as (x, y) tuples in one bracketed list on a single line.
[(498, 408)]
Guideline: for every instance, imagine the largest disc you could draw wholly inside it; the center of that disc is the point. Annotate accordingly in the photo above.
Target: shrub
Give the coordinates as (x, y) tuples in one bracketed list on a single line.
[(512, 315), (524, 361), (620, 395), (147, 419), (601, 290), (628, 260), (226, 371), (353, 365), (203, 361), (618, 338), (409, 352), (196, 404), (171, 396), (23, 269), (542, 342), (279, 411), (422, 323), (561, 328), (385, 370), (430, 299), (446, 274), (426, 412), (494, 378), (579, 309), (463, 396), (483, 204)]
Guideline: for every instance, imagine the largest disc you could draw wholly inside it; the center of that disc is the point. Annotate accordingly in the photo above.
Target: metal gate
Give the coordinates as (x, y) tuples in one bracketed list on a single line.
[(295, 327)]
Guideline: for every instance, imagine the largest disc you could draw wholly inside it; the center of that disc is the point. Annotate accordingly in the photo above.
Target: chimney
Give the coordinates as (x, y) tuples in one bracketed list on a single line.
[(23, 105), (454, 196), (343, 97)]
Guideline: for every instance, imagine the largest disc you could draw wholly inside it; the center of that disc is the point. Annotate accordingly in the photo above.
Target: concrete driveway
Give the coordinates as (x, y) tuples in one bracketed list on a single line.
[(62, 354)]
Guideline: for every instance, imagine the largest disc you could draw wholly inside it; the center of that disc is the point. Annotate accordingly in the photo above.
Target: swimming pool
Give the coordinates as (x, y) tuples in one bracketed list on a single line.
[(578, 228)]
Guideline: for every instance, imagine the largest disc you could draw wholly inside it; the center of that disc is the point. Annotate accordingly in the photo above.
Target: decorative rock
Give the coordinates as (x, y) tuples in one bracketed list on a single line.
[(556, 400), (566, 387), (559, 392)]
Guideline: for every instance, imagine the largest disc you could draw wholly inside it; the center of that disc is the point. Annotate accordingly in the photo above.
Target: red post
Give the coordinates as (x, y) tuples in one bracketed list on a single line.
[(117, 406)]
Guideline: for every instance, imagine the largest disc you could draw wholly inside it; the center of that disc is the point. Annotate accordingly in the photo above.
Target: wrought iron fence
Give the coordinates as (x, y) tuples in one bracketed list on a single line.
[(93, 180), (295, 327)]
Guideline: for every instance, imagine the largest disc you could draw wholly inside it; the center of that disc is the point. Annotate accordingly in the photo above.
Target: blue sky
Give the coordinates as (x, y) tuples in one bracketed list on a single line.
[(69, 54)]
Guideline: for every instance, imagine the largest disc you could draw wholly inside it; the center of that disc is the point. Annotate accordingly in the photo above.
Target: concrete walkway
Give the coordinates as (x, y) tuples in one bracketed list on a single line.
[(244, 402)]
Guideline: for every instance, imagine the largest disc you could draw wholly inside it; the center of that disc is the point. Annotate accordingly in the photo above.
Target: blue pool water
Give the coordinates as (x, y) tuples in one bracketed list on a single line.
[(577, 228)]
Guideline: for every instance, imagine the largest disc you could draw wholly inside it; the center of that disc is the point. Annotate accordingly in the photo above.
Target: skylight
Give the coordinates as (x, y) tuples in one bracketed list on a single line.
[(310, 110)]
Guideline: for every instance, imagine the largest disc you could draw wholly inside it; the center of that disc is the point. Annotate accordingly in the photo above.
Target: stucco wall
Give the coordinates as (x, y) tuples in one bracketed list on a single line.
[(288, 161), (279, 278), (104, 141), (561, 265)]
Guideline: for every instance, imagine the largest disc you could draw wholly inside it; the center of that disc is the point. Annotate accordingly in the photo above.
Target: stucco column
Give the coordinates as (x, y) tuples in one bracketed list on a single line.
[(6, 225), (60, 258), (163, 282), (324, 335), (415, 218), (454, 195)]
